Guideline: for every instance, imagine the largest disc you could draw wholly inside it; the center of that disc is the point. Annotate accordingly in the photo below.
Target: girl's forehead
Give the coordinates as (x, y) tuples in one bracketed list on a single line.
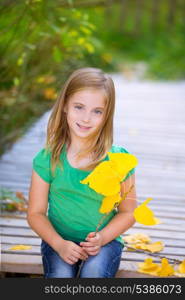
[(88, 96)]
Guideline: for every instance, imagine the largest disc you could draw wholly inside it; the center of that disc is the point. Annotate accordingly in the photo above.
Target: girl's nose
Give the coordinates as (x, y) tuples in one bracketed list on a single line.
[(86, 117)]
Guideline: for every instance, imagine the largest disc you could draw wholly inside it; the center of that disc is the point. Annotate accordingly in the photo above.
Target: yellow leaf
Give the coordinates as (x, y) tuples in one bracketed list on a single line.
[(137, 238), (148, 267), (165, 269), (20, 247), (153, 247), (122, 163), (103, 179), (106, 177), (109, 203), (144, 215), (181, 270)]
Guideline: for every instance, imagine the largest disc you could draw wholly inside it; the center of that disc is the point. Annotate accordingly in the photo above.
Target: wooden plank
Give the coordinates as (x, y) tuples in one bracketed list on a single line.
[(35, 250), (171, 215), (9, 222), (26, 232), (141, 256), (12, 240), (21, 263), (156, 233), (14, 222), (37, 241), (161, 227)]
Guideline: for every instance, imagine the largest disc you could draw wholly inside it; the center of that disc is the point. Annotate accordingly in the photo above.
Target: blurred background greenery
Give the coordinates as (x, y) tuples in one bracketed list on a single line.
[(43, 41)]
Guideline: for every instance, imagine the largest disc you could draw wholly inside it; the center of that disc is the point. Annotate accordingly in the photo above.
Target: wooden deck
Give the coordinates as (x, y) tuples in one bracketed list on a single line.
[(150, 124)]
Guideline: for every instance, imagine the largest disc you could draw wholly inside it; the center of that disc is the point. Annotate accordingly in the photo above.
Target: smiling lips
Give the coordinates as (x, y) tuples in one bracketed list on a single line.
[(83, 127)]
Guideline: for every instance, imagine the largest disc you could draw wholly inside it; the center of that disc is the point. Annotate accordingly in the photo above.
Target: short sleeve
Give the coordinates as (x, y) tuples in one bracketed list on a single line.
[(41, 165), (119, 149)]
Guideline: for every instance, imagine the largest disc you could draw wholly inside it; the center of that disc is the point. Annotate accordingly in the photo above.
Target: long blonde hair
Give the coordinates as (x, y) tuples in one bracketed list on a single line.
[(57, 129)]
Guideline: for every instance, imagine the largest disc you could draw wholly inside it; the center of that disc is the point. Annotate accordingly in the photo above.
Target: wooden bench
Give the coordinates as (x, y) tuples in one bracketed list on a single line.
[(15, 230)]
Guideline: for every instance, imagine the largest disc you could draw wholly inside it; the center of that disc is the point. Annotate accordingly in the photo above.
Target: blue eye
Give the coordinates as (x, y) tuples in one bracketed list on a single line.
[(78, 107), (98, 111)]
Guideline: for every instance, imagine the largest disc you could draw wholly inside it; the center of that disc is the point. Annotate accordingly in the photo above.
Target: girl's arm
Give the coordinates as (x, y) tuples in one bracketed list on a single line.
[(39, 222), (124, 219), (37, 209)]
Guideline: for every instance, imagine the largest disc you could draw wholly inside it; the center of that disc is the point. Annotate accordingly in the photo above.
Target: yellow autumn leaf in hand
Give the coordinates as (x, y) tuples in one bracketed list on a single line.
[(165, 269), (148, 267), (109, 203), (137, 238), (144, 215), (103, 179), (20, 247), (153, 247), (122, 163)]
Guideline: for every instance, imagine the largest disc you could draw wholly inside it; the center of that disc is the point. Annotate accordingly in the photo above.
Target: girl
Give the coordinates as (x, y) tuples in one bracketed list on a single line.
[(79, 135)]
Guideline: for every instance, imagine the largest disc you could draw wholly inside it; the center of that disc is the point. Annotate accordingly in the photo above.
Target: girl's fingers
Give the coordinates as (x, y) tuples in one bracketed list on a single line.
[(93, 252), (71, 261), (81, 254), (92, 248), (86, 244)]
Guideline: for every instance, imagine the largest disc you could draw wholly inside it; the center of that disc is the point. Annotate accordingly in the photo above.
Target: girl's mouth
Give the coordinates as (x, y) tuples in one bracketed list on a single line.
[(83, 127)]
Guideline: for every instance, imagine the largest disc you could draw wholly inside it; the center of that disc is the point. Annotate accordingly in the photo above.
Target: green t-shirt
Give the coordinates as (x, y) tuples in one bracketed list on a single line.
[(73, 208)]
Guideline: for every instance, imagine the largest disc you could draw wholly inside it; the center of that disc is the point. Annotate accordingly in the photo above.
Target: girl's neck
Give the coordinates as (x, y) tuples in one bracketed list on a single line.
[(75, 148)]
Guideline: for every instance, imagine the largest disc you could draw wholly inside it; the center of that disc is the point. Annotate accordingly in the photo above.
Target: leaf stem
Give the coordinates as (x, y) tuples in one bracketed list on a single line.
[(173, 260)]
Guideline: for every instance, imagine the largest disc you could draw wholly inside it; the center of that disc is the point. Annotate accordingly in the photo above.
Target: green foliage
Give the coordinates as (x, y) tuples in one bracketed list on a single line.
[(8, 200), (39, 37)]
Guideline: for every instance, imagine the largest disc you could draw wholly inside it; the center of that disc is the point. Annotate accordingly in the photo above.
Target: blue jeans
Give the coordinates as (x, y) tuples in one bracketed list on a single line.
[(103, 265)]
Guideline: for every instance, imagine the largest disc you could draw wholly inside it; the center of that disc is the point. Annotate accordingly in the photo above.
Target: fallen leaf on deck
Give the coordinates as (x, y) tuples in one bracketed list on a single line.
[(137, 238), (153, 247), (181, 270), (148, 267), (165, 269), (20, 247)]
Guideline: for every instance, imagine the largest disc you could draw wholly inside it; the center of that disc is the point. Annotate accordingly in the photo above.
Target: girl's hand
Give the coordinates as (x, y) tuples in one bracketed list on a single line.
[(93, 244), (71, 253)]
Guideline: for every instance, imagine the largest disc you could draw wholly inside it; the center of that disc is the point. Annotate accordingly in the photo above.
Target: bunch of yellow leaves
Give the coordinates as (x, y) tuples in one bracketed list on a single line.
[(153, 247), (162, 270), (137, 238), (106, 177), (144, 215), (142, 242), (20, 247)]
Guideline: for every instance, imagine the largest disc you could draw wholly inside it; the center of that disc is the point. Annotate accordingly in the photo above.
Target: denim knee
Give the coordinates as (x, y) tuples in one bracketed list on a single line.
[(105, 264), (54, 266)]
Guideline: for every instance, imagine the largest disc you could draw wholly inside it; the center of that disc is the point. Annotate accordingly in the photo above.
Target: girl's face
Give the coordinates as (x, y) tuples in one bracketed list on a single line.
[(85, 112)]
